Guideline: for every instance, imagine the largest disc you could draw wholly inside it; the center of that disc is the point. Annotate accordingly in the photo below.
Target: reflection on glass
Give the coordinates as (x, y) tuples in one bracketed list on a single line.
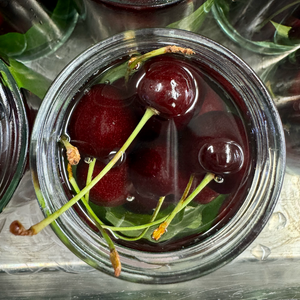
[(107, 17), (268, 27), (283, 81), (30, 29)]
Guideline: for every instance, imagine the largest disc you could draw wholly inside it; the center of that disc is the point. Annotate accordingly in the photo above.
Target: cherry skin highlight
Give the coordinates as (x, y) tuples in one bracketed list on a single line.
[(169, 87)]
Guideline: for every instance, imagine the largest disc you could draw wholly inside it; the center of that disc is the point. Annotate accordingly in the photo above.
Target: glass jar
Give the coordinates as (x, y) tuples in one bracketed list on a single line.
[(268, 27), (235, 231), (283, 81), (105, 18), (14, 136), (31, 29)]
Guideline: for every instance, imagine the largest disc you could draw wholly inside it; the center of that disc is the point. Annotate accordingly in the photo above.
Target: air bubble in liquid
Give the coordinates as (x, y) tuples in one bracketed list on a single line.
[(88, 160), (86, 91), (130, 198)]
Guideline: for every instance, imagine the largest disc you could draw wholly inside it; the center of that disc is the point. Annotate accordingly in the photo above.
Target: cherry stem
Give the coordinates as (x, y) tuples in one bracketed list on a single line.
[(72, 152), (134, 62), (158, 232), (44, 223), (178, 208), (137, 227), (114, 256), (95, 218), (154, 215), (89, 176)]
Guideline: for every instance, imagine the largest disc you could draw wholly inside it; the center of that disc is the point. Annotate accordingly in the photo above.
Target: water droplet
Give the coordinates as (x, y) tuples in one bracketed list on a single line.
[(88, 160), (261, 252), (107, 81), (137, 66), (121, 159), (219, 179), (86, 91), (130, 198), (277, 221)]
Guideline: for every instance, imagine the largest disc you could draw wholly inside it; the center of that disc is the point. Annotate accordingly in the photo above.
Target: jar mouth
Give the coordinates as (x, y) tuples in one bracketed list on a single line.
[(216, 250), (13, 134), (141, 4), (262, 47)]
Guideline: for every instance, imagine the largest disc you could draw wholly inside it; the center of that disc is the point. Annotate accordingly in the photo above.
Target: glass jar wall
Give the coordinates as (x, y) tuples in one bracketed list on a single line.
[(233, 232)]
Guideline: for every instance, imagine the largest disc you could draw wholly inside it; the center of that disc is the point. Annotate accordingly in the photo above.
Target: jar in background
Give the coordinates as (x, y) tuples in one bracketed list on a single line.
[(31, 29), (266, 27), (234, 230), (105, 18), (13, 134), (283, 81)]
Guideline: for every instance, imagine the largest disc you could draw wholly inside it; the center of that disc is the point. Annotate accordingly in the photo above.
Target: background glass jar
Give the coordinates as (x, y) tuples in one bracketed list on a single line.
[(235, 233), (31, 29), (283, 82), (268, 27), (105, 18), (13, 135)]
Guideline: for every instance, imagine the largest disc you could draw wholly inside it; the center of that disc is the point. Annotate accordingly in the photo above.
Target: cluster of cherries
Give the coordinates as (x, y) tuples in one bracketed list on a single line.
[(158, 135), (192, 133)]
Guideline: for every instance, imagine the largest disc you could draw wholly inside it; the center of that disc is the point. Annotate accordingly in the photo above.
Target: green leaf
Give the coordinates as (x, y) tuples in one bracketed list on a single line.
[(193, 219), (194, 21), (211, 211), (29, 79), (281, 30), (41, 34), (12, 44)]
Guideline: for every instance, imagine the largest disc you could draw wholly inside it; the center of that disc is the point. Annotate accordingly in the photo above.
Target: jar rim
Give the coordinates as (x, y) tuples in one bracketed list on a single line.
[(141, 4), (14, 134), (261, 47), (193, 261)]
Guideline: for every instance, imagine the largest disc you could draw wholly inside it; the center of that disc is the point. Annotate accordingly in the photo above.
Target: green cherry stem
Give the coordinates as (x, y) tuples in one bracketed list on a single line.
[(178, 208), (18, 229), (99, 224), (114, 256), (158, 232), (72, 152), (154, 215), (134, 62), (90, 176)]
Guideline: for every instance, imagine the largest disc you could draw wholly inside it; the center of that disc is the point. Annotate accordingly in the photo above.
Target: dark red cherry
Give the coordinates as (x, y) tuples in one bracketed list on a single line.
[(146, 205), (169, 87), (221, 156), (152, 170), (212, 102), (102, 119), (153, 165), (216, 126), (112, 189)]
